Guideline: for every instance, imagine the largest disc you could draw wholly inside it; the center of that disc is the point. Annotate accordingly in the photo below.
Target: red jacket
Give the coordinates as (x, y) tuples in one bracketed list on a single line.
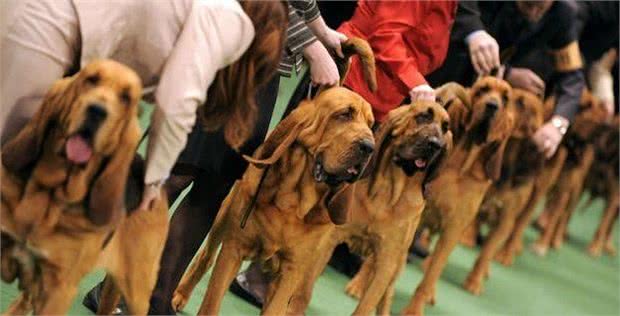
[(409, 39)]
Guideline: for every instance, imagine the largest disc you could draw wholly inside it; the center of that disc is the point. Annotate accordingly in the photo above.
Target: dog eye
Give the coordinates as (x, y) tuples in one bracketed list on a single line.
[(125, 97), (520, 103), (93, 79), (505, 98), (345, 116), (445, 126)]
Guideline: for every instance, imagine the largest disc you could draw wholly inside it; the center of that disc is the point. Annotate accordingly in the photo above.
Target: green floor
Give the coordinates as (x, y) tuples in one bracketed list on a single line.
[(567, 282)]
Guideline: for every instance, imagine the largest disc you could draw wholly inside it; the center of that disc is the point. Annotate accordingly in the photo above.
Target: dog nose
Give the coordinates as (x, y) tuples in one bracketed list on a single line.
[(492, 106), (366, 146), (434, 143), (96, 112)]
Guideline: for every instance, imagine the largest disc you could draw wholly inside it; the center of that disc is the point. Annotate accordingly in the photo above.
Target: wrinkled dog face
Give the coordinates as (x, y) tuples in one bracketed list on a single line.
[(342, 140), (529, 110), (490, 97), (420, 134), (106, 95), (591, 114)]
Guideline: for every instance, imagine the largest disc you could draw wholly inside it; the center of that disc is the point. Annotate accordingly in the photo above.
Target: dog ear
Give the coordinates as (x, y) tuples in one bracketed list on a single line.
[(338, 204), (24, 149), (279, 140), (495, 155), (383, 136), (107, 196)]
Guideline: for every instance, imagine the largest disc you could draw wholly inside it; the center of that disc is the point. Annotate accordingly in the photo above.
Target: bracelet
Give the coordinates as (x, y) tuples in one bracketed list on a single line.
[(560, 124)]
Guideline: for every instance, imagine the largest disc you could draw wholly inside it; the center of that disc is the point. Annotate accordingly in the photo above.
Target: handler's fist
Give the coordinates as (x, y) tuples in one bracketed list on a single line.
[(483, 51), (422, 92)]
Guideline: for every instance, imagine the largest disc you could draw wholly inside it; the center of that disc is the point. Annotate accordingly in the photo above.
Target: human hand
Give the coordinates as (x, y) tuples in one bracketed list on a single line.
[(152, 192), (422, 92), (483, 51), (548, 137), (323, 69), (330, 38), (526, 79)]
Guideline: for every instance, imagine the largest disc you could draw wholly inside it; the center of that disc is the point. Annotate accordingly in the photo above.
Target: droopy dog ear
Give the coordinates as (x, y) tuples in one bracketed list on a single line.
[(107, 196), (435, 166), (280, 139), (23, 150), (338, 204)]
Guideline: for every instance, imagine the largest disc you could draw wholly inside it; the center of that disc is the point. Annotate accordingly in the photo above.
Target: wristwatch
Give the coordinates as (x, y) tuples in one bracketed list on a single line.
[(560, 123)]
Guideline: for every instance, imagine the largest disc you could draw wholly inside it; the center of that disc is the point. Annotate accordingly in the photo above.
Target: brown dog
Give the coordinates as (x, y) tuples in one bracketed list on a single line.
[(509, 195), (602, 181), (455, 195), (569, 186), (302, 171), (387, 204), (543, 183), (63, 195)]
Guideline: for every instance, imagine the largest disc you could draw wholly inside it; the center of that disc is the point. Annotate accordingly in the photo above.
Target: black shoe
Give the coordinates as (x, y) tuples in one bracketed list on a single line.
[(344, 261), (92, 301), (241, 288)]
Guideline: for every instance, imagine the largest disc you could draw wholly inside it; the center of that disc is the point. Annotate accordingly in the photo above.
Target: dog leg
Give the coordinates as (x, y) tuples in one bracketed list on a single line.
[(557, 206), (475, 279), (471, 233), (426, 289), (110, 297), (385, 268), (284, 288), (357, 286), (22, 305), (605, 228), (226, 267)]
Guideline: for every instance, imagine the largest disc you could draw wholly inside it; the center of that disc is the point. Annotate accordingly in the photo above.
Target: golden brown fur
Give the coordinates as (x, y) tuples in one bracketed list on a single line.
[(60, 217), (509, 195), (569, 186), (602, 182), (455, 195), (387, 204)]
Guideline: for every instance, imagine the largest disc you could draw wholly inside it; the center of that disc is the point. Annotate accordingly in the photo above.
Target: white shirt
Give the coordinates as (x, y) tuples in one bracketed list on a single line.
[(175, 46)]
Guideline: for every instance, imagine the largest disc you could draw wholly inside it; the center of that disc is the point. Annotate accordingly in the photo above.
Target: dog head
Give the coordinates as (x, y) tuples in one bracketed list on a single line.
[(491, 118), (591, 114), (456, 100), (416, 138), (529, 112), (334, 129), (90, 115)]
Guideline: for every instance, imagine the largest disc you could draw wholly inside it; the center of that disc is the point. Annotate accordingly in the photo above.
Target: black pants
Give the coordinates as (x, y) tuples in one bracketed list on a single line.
[(215, 167)]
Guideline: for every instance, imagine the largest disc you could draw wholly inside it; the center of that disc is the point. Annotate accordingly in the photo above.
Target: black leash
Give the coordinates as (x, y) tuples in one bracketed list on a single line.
[(250, 207)]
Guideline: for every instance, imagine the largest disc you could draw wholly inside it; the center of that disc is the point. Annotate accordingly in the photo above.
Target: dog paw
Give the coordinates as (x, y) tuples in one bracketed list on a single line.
[(610, 249), (539, 249), (594, 250), (354, 289), (473, 286), (179, 301)]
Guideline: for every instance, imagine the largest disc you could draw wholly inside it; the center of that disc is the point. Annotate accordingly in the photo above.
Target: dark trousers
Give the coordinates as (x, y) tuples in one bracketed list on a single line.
[(214, 167)]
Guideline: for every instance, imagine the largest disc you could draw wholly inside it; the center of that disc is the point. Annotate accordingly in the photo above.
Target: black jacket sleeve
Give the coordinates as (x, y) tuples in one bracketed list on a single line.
[(568, 90), (467, 20)]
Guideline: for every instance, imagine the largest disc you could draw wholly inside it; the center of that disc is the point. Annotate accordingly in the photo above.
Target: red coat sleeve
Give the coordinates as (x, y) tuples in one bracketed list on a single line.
[(410, 38)]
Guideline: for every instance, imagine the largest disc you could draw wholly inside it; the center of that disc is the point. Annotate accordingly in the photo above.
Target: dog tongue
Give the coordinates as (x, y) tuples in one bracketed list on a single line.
[(78, 150), (420, 163)]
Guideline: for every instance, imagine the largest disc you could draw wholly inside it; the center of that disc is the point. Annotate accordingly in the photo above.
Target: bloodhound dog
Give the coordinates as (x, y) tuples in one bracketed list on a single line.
[(602, 181), (569, 186), (510, 193), (543, 183), (64, 180), (291, 195), (387, 203), (455, 195)]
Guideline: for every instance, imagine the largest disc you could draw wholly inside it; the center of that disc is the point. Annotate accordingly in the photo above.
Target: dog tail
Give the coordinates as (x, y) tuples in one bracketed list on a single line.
[(361, 48)]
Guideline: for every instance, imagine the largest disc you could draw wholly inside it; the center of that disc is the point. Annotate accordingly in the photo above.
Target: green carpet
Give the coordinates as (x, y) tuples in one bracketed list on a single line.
[(566, 282)]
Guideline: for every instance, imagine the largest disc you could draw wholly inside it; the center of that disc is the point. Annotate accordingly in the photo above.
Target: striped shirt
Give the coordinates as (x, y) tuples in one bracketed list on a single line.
[(298, 35)]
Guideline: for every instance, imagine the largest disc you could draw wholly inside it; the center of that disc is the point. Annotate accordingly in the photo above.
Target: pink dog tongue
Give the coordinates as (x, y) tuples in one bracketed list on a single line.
[(420, 163), (78, 150)]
